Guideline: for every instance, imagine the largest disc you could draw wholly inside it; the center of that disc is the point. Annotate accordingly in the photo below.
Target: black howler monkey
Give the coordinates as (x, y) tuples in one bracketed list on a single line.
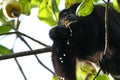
[(83, 37)]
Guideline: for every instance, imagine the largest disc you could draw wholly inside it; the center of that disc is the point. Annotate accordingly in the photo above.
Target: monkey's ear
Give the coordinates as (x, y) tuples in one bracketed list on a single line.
[(12, 8)]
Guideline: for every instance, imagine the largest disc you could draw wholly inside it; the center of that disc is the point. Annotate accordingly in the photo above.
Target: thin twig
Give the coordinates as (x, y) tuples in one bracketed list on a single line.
[(106, 28), (36, 55), (8, 33), (97, 74), (20, 68), (106, 33), (19, 33), (44, 65), (17, 62)]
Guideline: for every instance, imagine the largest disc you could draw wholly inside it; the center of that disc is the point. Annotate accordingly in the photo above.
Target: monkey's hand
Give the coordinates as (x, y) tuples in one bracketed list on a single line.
[(59, 33)]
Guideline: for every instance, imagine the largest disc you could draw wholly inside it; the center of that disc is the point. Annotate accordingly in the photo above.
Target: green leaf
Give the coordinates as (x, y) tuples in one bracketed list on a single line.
[(55, 10), (116, 5), (1, 14), (54, 77), (4, 50), (85, 70), (26, 6), (68, 3), (45, 13), (4, 29), (35, 3), (102, 77), (85, 8), (95, 0)]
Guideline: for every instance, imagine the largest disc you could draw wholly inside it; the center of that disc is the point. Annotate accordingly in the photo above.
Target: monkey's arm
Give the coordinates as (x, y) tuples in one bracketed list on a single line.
[(63, 61)]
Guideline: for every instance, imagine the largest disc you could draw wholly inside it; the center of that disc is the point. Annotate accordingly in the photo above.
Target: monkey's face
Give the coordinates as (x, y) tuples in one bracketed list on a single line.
[(66, 17)]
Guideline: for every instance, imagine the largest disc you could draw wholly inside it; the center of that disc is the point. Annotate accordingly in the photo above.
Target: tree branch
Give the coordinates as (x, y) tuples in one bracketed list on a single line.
[(106, 28), (25, 53), (106, 33)]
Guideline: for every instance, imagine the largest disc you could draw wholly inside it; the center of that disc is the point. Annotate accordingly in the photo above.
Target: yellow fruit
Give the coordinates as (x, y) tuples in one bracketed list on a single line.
[(12, 8)]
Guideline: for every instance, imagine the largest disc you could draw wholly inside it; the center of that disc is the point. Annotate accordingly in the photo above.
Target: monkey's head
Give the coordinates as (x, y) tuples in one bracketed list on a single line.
[(68, 16)]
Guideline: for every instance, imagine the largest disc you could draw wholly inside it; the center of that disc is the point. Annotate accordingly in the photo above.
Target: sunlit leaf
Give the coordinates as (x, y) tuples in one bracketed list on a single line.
[(2, 15), (35, 3), (54, 5), (116, 5), (102, 77), (85, 70), (26, 6), (54, 77), (4, 23), (4, 29), (95, 0), (45, 13), (68, 3), (4, 50), (85, 8)]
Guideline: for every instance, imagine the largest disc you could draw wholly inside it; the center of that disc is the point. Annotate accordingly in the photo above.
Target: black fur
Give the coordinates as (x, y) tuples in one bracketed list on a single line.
[(84, 38)]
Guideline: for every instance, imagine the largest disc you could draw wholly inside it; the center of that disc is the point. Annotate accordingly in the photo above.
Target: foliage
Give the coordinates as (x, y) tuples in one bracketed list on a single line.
[(68, 3), (26, 6), (4, 50), (116, 5), (48, 11), (86, 4), (54, 77), (86, 71)]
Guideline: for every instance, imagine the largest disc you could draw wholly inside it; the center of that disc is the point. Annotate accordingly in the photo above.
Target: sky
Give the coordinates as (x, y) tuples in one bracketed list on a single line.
[(33, 27)]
